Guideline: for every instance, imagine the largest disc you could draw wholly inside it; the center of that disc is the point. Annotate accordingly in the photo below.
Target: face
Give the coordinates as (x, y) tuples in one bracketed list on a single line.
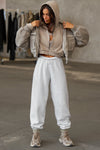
[(46, 16)]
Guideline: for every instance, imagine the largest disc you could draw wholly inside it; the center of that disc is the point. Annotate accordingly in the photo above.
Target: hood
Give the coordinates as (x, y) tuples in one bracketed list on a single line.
[(55, 8)]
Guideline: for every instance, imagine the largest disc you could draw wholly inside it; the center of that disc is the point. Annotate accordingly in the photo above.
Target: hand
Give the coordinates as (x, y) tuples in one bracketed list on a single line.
[(68, 25), (35, 23)]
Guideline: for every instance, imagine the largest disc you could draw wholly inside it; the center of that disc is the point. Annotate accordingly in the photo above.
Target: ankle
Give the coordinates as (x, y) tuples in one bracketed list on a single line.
[(64, 132), (36, 132)]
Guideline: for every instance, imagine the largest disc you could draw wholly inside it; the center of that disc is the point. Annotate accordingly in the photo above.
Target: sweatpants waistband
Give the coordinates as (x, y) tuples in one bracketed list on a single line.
[(49, 58)]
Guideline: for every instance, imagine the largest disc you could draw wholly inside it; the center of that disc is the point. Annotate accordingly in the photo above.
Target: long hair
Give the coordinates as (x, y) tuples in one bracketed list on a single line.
[(52, 17)]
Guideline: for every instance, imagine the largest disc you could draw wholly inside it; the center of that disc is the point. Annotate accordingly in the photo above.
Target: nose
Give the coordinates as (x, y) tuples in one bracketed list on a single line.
[(45, 16)]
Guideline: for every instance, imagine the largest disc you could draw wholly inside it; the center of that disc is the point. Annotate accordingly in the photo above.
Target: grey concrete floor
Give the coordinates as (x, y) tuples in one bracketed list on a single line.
[(15, 93)]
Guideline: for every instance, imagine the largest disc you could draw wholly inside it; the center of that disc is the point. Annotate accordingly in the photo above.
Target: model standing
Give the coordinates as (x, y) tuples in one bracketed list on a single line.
[(49, 41)]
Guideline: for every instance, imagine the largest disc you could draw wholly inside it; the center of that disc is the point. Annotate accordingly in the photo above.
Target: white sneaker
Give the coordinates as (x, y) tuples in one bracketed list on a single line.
[(65, 139), (35, 142)]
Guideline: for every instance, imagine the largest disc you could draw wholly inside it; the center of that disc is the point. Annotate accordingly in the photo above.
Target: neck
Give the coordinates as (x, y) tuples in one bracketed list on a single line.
[(50, 27)]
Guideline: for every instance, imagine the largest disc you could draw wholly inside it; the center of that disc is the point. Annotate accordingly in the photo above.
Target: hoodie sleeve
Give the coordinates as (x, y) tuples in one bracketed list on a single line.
[(81, 35), (23, 36)]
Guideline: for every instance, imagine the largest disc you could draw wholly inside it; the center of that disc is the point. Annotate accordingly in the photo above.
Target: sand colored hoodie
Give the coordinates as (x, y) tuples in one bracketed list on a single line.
[(64, 40)]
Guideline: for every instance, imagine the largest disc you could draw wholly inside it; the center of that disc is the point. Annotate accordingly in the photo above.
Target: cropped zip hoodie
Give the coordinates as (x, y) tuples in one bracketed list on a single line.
[(64, 40)]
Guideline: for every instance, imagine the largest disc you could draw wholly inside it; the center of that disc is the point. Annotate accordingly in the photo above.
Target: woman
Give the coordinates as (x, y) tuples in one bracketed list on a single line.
[(50, 40)]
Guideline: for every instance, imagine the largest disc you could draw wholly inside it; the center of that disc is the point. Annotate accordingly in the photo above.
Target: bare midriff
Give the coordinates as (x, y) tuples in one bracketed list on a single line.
[(46, 55)]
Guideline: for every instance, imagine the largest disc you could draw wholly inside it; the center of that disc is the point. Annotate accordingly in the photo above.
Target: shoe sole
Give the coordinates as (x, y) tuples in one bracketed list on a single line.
[(67, 145), (34, 146)]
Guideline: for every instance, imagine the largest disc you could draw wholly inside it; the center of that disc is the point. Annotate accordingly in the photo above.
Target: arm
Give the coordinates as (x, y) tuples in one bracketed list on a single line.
[(23, 34), (80, 33)]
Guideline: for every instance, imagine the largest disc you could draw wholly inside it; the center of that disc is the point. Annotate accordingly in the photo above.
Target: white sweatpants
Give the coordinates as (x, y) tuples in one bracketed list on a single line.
[(49, 70)]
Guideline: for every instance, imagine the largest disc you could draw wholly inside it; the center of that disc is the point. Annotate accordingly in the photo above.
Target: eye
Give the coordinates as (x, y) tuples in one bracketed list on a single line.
[(45, 14)]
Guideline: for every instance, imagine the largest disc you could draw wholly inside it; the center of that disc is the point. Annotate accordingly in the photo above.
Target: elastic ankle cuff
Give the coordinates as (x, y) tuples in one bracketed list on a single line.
[(64, 130)]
